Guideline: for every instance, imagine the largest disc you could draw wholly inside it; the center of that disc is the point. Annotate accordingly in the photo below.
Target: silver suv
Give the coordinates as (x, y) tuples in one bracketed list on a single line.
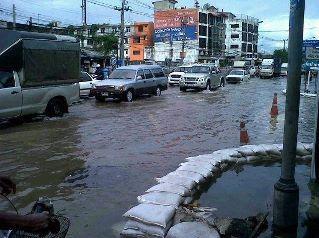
[(128, 82), (201, 77)]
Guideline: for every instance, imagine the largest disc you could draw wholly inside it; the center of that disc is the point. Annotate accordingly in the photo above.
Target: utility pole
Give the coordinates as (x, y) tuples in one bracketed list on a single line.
[(183, 25), (30, 24), (315, 152), (83, 12), (122, 9), (286, 190), (14, 16)]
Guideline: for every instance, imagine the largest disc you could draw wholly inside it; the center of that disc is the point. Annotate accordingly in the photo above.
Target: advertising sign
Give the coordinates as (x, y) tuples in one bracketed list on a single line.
[(311, 43), (312, 53), (175, 25), (175, 34)]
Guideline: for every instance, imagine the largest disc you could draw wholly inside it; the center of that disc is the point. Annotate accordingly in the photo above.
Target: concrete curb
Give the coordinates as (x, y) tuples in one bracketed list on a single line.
[(179, 186)]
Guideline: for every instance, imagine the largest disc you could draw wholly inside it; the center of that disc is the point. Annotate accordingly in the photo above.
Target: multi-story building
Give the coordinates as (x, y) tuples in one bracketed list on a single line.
[(188, 34), (141, 42), (241, 37)]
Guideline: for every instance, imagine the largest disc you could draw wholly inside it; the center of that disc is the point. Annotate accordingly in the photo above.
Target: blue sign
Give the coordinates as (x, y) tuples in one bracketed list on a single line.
[(311, 43), (310, 63), (175, 34)]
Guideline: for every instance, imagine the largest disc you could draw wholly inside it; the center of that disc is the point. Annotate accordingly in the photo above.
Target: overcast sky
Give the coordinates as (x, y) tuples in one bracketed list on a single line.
[(273, 13)]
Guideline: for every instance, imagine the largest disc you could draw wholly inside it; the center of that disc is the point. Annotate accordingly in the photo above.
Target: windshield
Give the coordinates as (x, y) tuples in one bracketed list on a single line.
[(200, 69), (123, 74), (237, 72)]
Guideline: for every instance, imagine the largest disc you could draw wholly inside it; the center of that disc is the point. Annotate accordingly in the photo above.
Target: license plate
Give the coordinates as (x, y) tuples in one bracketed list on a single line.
[(105, 94)]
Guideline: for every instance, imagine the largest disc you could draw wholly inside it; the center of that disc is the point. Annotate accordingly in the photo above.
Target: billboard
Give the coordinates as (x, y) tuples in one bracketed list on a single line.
[(311, 43), (175, 25)]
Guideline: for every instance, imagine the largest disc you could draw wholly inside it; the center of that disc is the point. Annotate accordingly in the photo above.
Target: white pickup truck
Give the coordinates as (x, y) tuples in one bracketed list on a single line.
[(37, 76), (16, 101)]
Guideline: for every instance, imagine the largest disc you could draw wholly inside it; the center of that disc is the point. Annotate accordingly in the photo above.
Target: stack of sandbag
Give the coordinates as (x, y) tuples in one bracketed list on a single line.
[(148, 220)]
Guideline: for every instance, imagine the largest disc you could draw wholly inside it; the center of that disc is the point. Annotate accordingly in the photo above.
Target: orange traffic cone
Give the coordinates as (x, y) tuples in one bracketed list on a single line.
[(244, 138), (274, 107)]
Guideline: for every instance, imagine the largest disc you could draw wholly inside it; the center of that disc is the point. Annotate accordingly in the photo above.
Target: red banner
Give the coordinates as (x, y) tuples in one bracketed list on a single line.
[(174, 18)]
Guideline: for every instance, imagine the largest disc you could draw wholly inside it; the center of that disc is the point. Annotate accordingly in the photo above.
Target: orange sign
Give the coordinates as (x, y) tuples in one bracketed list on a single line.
[(174, 18)]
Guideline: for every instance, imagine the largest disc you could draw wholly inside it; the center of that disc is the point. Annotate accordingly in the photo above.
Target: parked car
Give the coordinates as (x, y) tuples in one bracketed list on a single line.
[(284, 69), (127, 82), (33, 75), (202, 77), (253, 70), (86, 84), (175, 76), (237, 76)]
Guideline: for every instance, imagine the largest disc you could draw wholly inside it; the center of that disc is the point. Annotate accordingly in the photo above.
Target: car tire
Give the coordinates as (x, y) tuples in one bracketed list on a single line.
[(100, 98), (182, 89), (158, 91), (208, 86), (55, 108), (129, 96)]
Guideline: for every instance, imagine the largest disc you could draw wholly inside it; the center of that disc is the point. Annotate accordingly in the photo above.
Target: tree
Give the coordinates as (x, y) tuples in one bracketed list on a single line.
[(105, 43), (282, 54), (70, 30)]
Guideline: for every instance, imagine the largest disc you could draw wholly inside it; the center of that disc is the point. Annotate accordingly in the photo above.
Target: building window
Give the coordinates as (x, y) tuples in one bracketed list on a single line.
[(125, 41), (255, 48), (203, 18), (249, 48), (234, 46), (136, 52), (244, 36), (235, 36), (202, 30), (136, 40), (250, 37), (202, 43), (126, 52), (140, 28), (244, 28), (103, 30), (234, 25), (256, 29), (128, 29), (251, 28), (244, 47)]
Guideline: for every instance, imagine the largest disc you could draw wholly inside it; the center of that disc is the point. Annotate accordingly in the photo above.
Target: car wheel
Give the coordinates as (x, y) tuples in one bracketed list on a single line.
[(129, 96), (222, 82), (158, 92), (100, 98), (208, 86), (182, 89), (55, 108)]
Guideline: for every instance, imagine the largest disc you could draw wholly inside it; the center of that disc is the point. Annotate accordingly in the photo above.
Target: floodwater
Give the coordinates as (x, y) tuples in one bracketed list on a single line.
[(96, 160), (257, 197)]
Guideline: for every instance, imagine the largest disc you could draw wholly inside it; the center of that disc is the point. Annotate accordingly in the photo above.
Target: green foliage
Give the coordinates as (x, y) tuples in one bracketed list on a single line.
[(283, 54), (94, 29), (70, 29), (105, 44)]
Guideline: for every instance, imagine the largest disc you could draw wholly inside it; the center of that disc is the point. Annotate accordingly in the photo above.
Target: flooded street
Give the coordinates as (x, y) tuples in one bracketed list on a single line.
[(96, 160)]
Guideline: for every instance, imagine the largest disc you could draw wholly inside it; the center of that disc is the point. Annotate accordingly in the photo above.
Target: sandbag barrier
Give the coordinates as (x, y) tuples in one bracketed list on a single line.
[(154, 215)]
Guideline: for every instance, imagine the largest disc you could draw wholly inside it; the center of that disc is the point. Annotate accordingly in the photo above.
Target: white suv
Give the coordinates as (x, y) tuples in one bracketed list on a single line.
[(175, 76)]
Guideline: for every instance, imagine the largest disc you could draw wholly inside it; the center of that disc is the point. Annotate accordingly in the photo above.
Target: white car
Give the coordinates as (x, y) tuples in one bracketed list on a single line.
[(252, 70), (86, 84), (284, 69), (175, 76), (237, 76)]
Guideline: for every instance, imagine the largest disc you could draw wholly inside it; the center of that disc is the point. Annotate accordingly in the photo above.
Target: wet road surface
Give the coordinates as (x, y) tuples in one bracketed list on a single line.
[(96, 160)]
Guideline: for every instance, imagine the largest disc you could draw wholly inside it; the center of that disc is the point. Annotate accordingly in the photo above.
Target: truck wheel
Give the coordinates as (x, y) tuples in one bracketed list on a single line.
[(158, 92), (56, 108), (99, 98), (129, 96)]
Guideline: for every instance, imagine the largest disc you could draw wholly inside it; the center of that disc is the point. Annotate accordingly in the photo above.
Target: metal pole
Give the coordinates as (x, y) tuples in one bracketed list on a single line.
[(14, 16), (315, 152), (286, 194), (122, 33)]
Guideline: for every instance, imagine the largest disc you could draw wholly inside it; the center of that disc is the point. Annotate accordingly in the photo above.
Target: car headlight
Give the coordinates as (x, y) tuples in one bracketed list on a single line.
[(182, 79), (120, 88)]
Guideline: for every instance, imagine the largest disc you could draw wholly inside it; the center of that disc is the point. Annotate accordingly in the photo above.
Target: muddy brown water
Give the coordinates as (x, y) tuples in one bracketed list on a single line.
[(96, 160)]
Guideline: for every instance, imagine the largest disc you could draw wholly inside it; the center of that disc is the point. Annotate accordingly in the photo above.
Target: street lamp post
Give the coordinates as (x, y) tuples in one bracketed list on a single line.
[(286, 190)]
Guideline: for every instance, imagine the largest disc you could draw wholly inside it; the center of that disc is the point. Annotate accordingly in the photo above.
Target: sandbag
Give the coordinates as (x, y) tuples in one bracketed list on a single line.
[(192, 230), (188, 183), (152, 214), (247, 150), (301, 150), (161, 198), (232, 152), (197, 177), (146, 229), (170, 188), (131, 233), (204, 171)]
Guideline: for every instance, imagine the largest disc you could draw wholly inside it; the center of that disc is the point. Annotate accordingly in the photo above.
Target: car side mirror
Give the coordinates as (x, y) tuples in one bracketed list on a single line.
[(139, 77)]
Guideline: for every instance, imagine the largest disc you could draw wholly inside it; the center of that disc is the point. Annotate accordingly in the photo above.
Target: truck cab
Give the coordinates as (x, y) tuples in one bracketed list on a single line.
[(267, 68)]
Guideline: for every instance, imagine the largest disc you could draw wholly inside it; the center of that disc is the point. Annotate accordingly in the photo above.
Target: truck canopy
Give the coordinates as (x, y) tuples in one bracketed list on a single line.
[(267, 62), (240, 64), (44, 62)]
